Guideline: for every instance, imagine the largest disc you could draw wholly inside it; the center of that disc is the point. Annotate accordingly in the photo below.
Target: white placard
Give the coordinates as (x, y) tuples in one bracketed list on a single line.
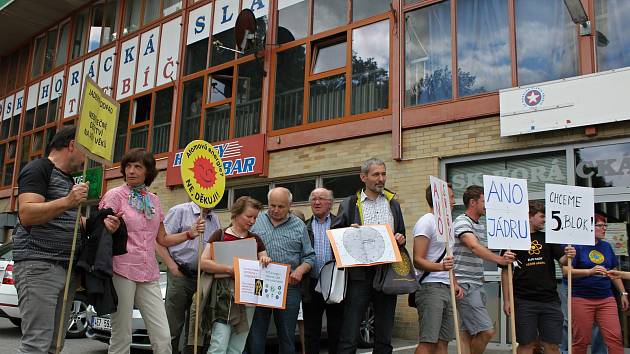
[(106, 70), (57, 85), (45, 87), (169, 52), (199, 24), (364, 246), (19, 103), (127, 68), (147, 60), (507, 213), (31, 98), (570, 212), (8, 107), (260, 286), (442, 210), (90, 68), (73, 90), (225, 13)]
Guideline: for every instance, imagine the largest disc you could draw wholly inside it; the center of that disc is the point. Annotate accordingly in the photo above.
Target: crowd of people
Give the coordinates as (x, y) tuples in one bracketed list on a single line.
[(48, 200)]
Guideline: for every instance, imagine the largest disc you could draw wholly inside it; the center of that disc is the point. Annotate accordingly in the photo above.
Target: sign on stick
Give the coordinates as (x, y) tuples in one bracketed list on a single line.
[(203, 174), (570, 212), (442, 210), (507, 212)]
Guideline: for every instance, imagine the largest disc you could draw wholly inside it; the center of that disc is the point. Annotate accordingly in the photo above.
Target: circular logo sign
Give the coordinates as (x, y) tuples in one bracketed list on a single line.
[(202, 171), (533, 97), (596, 257)]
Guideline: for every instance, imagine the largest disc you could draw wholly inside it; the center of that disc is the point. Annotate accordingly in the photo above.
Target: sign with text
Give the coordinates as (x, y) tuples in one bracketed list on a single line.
[(203, 174), (94, 176), (507, 212), (241, 157), (261, 286), (442, 210), (570, 212), (97, 123)]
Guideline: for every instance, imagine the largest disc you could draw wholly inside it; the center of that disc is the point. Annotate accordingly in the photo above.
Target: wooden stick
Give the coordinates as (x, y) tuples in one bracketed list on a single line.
[(569, 312), (513, 310), (62, 325), (451, 277), (198, 297)]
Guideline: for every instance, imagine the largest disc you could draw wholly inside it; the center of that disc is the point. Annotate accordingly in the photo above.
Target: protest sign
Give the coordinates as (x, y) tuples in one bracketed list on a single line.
[(260, 286), (507, 212), (97, 123), (364, 246), (570, 214), (202, 173), (442, 210)]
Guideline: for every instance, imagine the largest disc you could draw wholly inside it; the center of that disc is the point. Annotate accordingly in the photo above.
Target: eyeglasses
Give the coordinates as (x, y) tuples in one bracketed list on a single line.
[(601, 225), (320, 199)]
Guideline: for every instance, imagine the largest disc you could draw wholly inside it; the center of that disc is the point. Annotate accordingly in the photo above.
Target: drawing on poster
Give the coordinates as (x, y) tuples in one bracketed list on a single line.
[(364, 246)]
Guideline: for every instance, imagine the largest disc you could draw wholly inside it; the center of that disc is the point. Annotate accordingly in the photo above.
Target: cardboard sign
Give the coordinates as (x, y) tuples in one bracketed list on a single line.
[(95, 177), (203, 174), (364, 246), (260, 286), (97, 123), (570, 214), (507, 212), (442, 210)]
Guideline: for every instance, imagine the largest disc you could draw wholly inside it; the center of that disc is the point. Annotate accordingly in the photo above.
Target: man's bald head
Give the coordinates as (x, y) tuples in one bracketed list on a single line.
[(280, 200)]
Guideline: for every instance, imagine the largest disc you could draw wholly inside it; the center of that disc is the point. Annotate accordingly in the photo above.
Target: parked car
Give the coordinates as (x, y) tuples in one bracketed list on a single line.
[(77, 325)]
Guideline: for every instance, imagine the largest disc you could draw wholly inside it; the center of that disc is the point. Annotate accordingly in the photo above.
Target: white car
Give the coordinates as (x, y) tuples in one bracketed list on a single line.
[(77, 325)]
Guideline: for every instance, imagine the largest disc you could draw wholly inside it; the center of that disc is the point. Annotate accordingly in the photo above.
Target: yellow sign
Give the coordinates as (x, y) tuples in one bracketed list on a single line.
[(97, 123), (202, 173)]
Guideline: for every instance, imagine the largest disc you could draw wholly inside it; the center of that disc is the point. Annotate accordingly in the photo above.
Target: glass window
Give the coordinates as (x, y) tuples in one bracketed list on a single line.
[(110, 22), (96, 27), (38, 140), (12, 75), (50, 133), (51, 48), (223, 203), (162, 120), (301, 190), (4, 130), (191, 111), (28, 121), (121, 131), (329, 57), (365, 8), (62, 49), (8, 174), (217, 123), (343, 186), (289, 97), (483, 51), (38, 56), (79, 33), (53, 110), (196, 56), (603, 166), (327, 98), (132, 16), (139, 137), (151, 10), (329, 14), (613, 43), (22, 66), (225, 39), (40, 115), (220, 85), (370, 67), (552, 57), (291, 23), (11, 149), (258, 192), (171, 6), (141, 109), (248, 99), (428, 54), (15, 125)]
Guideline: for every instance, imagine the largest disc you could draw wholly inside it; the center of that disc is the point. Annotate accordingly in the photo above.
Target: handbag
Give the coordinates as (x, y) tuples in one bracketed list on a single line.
[(332, 283), (396, 278), (411, 300)]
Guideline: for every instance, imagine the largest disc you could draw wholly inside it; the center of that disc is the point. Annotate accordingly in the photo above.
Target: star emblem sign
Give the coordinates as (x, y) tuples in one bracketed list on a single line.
[(533, 97)]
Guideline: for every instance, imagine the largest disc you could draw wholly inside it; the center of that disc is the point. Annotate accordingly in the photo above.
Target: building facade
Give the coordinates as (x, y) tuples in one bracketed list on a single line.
[(328, 83)]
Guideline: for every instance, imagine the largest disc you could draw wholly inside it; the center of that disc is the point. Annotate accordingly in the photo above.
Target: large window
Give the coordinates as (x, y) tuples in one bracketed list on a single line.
[(370, 67), (103, 24), (612, 41)]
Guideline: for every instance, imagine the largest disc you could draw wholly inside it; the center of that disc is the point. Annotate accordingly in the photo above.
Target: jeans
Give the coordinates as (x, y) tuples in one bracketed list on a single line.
[(179, 293), (285, 321), (597, 342), (359, 293), (313, 311), (40, 287)]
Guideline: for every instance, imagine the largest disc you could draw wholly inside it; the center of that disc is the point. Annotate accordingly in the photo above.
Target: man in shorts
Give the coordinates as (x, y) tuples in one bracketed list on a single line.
[(476, 326), (536, 301), (433, 297)]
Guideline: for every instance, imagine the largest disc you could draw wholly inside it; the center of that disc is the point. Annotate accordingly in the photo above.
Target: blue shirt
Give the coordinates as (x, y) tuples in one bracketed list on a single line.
[(323, 252), (587, 257), (286, 243)]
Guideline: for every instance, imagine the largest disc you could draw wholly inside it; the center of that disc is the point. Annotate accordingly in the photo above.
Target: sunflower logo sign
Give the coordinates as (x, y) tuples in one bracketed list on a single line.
[(203, 174)]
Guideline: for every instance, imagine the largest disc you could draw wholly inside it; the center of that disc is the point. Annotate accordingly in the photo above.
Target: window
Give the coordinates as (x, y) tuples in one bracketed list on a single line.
[(110, 22), (62, 48), (343, 186), (257, 192), (248, 99), (51, 49), (370, 67), (327, 98), (139, 132), (603, 166), (544, 60), (366, 8), (301, 190), (329, 57), (196, 56), (171, 6), (428, 54), (96, 27), (328, 14), (132, 16), (162, 120), (38, 56), (289, 89), (191, 111), (151, 10), (121, 131), (483, 52), (79, 34), (613, 44), (291, 24)]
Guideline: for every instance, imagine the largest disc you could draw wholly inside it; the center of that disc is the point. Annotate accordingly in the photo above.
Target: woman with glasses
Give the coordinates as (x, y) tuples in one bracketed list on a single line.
[(592, 295)]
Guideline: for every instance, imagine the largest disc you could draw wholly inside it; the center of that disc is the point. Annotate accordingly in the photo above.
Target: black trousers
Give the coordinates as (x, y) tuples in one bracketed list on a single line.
[(313, 311)]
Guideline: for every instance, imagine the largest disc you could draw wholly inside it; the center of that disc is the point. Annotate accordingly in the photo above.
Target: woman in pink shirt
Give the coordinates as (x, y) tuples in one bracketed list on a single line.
[(136, 273)]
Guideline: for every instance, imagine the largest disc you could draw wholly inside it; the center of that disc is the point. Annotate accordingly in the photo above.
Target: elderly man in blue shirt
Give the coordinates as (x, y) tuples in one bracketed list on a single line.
[(287, 241), (181, 261)]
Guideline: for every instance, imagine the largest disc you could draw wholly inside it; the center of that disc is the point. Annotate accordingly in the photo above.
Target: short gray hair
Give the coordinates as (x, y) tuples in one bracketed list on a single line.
[(328, 191), (365, 166), (282, 188)]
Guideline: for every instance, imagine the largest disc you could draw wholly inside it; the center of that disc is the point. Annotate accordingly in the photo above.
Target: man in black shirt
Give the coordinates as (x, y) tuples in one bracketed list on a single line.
[(536, 302), (47, 209)]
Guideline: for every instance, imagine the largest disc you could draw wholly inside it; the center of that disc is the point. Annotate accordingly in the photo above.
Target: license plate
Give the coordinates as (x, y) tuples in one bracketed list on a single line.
[(101, 323)]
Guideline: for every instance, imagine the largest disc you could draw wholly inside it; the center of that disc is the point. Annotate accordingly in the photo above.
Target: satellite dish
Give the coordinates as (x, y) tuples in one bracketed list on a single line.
[(245, 30)]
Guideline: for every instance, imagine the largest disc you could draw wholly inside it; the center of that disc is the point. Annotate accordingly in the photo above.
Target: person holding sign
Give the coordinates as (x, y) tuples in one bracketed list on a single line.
[(372, 205), (536, 302), (593, 299), (477, 326), (136, 273), (433, 298), (229, 322), (287, 242), (47, 208)]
